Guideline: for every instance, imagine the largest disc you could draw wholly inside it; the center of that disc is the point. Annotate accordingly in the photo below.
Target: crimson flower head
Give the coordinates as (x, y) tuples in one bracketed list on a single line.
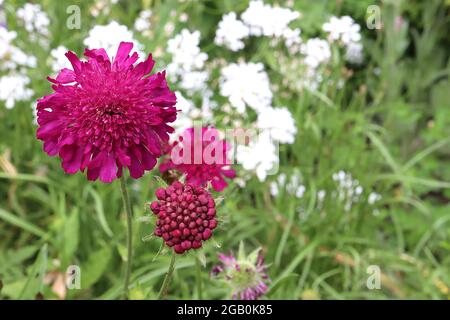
[(107, 114), (202, 156), (186, 216)]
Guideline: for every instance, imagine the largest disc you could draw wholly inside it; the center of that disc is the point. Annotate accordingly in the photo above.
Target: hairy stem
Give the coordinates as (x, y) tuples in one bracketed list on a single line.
[(127, 205), (165, 285)]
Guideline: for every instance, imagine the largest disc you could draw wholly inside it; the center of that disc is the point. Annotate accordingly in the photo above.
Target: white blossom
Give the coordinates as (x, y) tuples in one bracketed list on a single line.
[(12, 57), (58, 59), (292, 37), (260, 156), (349, 190), (142, 23), (279, 122), (354, 53), (292, 187), (342, 29), (316, 51), (265, 20), (34, 19), (188, 61), (345, 31), (109, 37), (231, 32), (185, 106), (14, 88), (246, 84)]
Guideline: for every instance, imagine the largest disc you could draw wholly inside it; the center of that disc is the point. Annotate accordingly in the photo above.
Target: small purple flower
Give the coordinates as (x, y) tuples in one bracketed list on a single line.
[(246, 275)]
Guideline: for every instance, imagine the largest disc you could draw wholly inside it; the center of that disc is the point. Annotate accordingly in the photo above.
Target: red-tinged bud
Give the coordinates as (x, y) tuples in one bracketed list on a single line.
[(154, 206), (186, 216), (177, 185), (160, 194), (176, 233), (212, 224), (178, 248), (196, 244), (186, 244), (206, 234), (203, 199)]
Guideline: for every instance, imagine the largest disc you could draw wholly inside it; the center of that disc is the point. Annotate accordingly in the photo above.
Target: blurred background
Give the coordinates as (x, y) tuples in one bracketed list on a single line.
[(357, 93)]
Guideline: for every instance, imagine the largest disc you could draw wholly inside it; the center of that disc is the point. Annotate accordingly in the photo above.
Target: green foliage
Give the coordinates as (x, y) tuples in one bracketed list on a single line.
[(389, 125)]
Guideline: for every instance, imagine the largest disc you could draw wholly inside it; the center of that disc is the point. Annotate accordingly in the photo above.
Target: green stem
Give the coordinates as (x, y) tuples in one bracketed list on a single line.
[(165, 285), (127, 204), (198, 269)]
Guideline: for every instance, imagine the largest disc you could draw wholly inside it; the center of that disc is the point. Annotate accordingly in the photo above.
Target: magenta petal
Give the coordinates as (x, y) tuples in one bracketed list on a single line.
[(148, 161), (65, 76), (136, 169), (93, 173), (76, 63), (219, 184), (96, 53), (229, 173), (145, 67), (108, 169), (122, 52), (73, 164), (51, 147)]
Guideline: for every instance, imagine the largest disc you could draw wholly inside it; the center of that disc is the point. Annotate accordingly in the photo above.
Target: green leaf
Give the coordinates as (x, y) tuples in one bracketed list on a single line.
[(22, 223), (94, 267), (71, 236), (100, 212), (241, 252), (35, 280)]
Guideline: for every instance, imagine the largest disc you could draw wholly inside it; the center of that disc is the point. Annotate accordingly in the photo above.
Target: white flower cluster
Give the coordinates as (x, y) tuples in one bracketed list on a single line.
[(354, 53), (346, 31), (260, 155), (58, 59), (12, 57), (246, 84), (14, 62), (279, 122), (292, 187), (258, 19), (189, 113), (265, 20), (316, 52), (34, 19), (231, 32), (109, 37), (187, 61), (143, 23), (349, 190), (14, 88)]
